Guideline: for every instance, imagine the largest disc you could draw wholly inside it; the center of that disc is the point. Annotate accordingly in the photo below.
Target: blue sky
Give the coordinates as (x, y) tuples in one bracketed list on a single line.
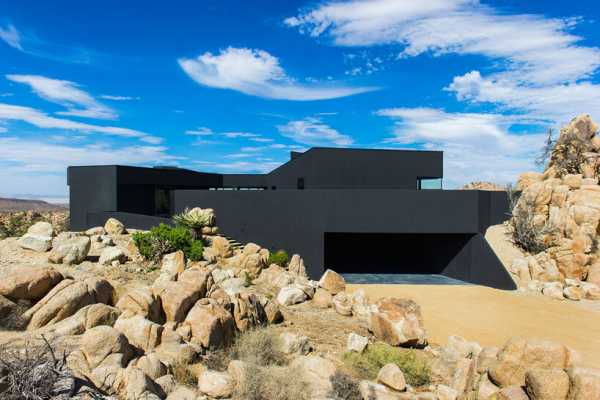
[(233, 86)]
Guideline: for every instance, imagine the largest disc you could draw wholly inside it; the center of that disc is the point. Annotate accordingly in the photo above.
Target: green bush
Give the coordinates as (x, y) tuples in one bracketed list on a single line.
[(164, 239), (280, 257), (366, 365)]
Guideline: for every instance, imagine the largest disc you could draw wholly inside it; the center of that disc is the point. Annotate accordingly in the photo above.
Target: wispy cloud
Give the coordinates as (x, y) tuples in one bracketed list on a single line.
[(201, 131), (118, 98), (66, 93), (312, 131), (11, 36), (476, 146), (42, 171), (9, 112), (257, 73), (239, 166)]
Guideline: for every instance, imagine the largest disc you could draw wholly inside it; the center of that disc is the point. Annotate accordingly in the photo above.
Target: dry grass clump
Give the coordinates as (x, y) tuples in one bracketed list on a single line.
[(260, 347), (183, 374), (366, 365), (345, 387), (35, 373), (527, 235), (272, 383)]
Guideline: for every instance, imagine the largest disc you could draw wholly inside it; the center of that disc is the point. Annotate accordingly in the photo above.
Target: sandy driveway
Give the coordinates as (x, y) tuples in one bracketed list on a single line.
[(491, 316)]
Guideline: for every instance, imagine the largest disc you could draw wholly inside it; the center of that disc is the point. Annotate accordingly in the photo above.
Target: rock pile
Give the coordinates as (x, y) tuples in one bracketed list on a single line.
[(557, 217)]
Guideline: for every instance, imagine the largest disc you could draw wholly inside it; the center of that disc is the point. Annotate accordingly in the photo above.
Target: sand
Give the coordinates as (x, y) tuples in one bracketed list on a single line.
[(491, 316)]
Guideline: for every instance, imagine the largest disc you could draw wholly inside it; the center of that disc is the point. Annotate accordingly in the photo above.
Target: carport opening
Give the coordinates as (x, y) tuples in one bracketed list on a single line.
[(395, 253)]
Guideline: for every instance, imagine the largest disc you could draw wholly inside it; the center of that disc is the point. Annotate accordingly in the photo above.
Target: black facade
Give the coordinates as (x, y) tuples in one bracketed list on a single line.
[(351, 210)]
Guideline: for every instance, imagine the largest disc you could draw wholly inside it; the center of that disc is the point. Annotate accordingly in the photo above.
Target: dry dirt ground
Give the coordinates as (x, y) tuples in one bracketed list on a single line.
[(491, 316)]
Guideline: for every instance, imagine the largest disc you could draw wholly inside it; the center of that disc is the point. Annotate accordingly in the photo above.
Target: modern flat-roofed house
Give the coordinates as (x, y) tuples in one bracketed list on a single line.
[(356, 211)]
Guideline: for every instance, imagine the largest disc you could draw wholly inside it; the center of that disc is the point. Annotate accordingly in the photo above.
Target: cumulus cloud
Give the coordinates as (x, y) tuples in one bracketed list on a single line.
[(257, 73), (66, 93), (549, 54), (42, 171), (11, 36), (9, 112), (312, 131), (476, 146)]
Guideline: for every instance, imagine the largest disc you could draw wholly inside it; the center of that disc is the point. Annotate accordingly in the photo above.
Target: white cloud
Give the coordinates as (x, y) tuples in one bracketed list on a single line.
[(78, 102), (201, 131), (312, 131), (3, 129), (39, 168), (538, 49), (257, 73), (233, 135), (11, 36), (240, 166), (557, 103), (118, 98), (476, 146), (9, 112), (261, 139)]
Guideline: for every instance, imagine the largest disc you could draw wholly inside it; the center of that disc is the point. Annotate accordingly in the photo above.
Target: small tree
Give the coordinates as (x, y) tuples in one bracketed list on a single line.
[(547, 149)]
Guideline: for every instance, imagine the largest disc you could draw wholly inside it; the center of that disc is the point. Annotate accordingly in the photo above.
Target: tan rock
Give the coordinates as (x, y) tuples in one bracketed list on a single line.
[(177, 299), (151, 365), (183, 393), (173, 350), (29, 283), (253, 264), (554, 290), (486, 359), (574, 293), (547, 384), (486, 388), (99, 345), (322, 298), (520, 355), (292, 343), (356, 342), (112, 254), (167, 384), (332, 282), (70, 251), (296, 266), (272, 311), (6, 307), (360, 304), (376, 391), (593, 274), (248, 312), (114, 227), (140, 332), (221, 247), (528, 178), (215, 384), (592, 291), (173, 264), (211, 324), (391, 376), (398, 322), (276, 276), (36, 243), (510, 393), (573, 181), (86, 318), (137, 385), (342, 304), (66, 298), (318, 372), (585, 383), (41, 228), (290, 295), (141, 301)]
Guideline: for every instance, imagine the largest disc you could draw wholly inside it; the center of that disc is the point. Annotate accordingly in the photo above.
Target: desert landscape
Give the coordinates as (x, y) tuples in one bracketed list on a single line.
[(184, 313)]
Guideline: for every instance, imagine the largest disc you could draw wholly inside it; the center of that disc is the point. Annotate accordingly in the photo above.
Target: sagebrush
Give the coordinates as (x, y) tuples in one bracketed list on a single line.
[(164, 239), (259, 346), (272, 383), (366, 365)]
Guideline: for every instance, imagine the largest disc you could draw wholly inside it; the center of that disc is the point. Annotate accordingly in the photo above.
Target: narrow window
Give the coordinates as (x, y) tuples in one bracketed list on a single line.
[(300, 184)]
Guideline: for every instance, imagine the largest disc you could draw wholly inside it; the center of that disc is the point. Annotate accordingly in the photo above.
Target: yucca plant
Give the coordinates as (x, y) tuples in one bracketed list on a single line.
[(194, 220)]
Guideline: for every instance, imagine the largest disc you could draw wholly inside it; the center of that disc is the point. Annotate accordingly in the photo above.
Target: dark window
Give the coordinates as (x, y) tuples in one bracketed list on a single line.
[(162, 202), (273, 187), (300, 183)]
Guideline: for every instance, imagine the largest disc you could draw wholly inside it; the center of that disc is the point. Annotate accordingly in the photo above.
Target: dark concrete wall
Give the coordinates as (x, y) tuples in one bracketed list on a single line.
[(91, 189), (298, 221)]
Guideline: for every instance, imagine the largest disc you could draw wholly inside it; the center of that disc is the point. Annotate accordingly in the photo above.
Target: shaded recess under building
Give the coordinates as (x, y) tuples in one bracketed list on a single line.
[(351, 210)]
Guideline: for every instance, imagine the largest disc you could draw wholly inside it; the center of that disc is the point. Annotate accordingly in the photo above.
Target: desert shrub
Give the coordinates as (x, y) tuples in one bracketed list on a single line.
[(216, 360), (13, 224), (527, 235), (261, 347), (344, 387), (36, 373), (366, 365), (183, 374), (568, 154), (272, 383), (194, 220), (164, 239), (279, 257)]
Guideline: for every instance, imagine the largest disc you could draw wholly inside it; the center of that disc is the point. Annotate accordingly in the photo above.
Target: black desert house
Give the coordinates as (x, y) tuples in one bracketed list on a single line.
[(352, 210)]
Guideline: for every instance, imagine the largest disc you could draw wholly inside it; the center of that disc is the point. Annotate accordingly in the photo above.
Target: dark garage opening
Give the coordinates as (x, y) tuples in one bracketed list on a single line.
[(396, 257)]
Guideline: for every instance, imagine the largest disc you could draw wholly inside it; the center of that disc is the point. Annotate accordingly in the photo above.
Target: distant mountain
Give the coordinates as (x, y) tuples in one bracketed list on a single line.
[(27, 205)]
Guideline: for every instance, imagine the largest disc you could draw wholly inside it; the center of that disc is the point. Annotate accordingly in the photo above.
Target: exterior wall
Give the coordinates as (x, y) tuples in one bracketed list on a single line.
[(91, 189)]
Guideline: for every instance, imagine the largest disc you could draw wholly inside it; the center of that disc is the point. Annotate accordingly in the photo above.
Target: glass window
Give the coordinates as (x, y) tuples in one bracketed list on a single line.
[(429, 183)]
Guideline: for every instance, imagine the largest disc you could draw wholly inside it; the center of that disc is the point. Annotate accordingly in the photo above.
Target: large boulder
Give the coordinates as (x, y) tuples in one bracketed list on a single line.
[(41, 228), (140, 332), (151, 365), (332, 282), (391, 376), (211, 324), (296, 266), (398, 322), (547, 384), (221, 247), (70, 251), (86, 318), (66, 298), (173, 264), (342, 304), (520, 355), (114, 227), (248, 312), (111, 254), (177, 298), (36, 243), (215, 384), (141, 301), (31, 283), (585, 383)]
